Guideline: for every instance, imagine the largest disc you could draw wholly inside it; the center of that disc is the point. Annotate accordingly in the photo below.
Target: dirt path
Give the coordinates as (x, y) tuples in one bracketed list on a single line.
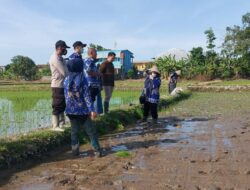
[(180, 153)]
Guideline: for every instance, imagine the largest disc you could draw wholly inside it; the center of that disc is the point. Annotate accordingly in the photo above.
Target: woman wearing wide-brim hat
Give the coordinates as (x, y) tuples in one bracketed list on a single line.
[(151, 94)]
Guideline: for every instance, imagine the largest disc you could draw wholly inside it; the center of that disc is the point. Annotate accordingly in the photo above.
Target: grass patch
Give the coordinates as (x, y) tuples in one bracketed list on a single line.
[(123, 154), (239, 82), (24, 100), (211, 104)]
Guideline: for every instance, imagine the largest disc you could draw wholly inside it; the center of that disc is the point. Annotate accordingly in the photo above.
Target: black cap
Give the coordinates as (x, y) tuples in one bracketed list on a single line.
[(111, 53), (79, 43), (61, 43)]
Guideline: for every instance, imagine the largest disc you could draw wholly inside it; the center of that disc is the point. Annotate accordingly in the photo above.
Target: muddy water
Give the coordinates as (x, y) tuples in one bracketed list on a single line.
[(189, 153)]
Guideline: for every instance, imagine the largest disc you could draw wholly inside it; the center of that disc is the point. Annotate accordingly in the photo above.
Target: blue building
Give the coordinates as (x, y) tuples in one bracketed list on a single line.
[(123, 61)]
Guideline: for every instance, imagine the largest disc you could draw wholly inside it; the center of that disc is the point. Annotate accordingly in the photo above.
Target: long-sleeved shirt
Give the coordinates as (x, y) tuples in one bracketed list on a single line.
[(173, 78), (75, 63), (108, 71), (89, 68), (152, 89), (77, 95), (58, 70)]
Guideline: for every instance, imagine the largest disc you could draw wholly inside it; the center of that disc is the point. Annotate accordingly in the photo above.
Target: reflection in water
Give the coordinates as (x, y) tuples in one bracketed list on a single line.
[(117, 101), (15, 122), (119, 148), (23, 113)]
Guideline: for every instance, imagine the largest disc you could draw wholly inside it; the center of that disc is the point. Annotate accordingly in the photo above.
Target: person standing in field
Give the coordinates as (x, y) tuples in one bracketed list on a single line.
[(75, 59), (79, 105), (151, 94), (58, 71), (108, 77), (94, 79), (172, 80)]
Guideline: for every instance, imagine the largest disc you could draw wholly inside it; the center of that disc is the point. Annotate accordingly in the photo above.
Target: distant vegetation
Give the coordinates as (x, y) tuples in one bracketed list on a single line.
[(21, 67), (98, 47), (232, 62)]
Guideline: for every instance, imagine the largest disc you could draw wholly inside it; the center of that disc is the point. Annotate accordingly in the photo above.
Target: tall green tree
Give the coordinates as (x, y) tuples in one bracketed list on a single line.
[(236, 46), (23, 67), (212, 62), (210, 39)]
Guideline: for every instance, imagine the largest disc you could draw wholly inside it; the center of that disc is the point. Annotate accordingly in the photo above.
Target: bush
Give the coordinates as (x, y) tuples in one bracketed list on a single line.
[(22, 67), (131, 74)]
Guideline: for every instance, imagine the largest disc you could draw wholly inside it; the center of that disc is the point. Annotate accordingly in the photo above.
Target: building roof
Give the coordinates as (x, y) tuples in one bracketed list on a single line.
[(142, 62)]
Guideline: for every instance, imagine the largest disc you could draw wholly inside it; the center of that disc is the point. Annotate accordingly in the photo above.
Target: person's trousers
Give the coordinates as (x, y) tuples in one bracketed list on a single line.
[(152, 107), (98, 104), (108, 92), (77, 122), (58, 101), (171, 87)]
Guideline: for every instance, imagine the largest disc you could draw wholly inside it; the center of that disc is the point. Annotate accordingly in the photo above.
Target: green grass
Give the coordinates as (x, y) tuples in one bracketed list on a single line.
[(239, 82), (25, 87), (24, 100), (123, 154), (211, 104), (140, 82), (125, 84)]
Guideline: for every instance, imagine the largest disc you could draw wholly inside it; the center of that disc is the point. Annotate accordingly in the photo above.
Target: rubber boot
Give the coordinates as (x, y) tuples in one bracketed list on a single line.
[(98, 153), (75, 150), (154, 121), (55, 123), (106, 107), (62, 120)]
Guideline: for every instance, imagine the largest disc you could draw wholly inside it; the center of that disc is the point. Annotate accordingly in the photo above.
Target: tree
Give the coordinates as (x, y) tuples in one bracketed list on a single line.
[(98, 47), (131, 74), (45, 71), (236, 46), (23, 67), (197, 56), (211, 60), (210, 39), (196, 63)]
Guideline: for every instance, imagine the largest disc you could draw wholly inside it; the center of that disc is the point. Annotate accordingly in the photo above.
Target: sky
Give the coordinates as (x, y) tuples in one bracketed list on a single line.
[(145, 27)]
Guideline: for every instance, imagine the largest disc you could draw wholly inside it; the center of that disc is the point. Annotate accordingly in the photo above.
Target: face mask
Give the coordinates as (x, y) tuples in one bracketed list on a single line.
[(153, 75), (64, 52), (81, 51)]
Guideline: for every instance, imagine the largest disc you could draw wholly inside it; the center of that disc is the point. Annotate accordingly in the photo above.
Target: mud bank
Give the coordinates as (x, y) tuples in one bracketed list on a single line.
[(14, 152), (177, 154)]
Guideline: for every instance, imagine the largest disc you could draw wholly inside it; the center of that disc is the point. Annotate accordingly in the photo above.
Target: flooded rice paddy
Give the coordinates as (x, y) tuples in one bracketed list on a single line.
[(25, 111)]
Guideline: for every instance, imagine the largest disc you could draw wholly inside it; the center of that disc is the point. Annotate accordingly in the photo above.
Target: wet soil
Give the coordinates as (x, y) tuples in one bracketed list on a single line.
[(178, 153)]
